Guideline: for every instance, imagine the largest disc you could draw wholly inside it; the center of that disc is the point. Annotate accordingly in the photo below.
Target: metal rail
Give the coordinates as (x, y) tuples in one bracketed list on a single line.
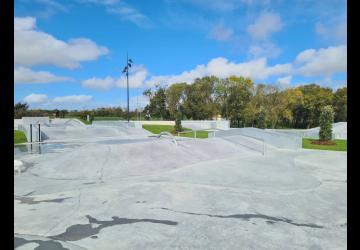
[(168, 134), (245, 145), (196, 130)]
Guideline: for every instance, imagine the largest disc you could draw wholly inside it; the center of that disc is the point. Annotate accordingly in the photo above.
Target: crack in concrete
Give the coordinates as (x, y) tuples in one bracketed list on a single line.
[(102, 166), (80, 231), (67, 216), (29, 193), (247, 217), (89, 183)]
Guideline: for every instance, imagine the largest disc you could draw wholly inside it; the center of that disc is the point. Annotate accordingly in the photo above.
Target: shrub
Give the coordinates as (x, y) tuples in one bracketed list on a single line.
[(326, 120)]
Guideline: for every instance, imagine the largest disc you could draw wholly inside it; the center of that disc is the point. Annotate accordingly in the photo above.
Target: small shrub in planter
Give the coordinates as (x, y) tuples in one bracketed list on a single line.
[(326, 121)]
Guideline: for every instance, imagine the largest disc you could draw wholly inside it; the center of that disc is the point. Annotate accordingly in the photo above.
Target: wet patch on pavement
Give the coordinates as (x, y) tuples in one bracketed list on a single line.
[(31, 200), (80, 231), (42, 244), (247, 217)]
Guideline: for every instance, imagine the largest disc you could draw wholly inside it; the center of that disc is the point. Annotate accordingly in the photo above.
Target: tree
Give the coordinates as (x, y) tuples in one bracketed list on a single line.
[(290, 99), (175, 96), (256, 102), (221, 93), (240, 92), (315, 98), (157, 106), (199, 101), (326, 120), (261, 118), (340, 104), (20, 110), (274, 104)]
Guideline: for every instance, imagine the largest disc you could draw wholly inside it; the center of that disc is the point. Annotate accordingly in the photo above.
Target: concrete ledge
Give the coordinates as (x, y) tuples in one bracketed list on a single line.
[(279, 140)]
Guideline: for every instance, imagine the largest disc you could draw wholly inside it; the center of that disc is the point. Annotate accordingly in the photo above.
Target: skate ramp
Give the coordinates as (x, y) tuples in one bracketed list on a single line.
[(111, 159)]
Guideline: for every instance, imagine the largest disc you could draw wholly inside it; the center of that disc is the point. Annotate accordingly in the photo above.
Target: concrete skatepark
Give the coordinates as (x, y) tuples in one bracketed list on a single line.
[(113, 186)]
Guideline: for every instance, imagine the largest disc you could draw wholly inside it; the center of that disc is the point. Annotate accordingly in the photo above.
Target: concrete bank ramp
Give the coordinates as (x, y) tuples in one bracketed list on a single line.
[(107, 160)]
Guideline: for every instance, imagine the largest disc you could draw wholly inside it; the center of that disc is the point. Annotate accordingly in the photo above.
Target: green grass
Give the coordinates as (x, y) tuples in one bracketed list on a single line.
[(107, 118), (199, 134), (341, 145), (19, 137), (157, 129)]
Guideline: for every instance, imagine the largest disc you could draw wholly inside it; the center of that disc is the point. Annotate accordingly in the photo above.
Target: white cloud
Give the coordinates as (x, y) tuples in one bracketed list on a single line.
[(138, 101), (266, 49), (311, 62), (24, 23), (35, 98), (221, 67), (266, 24), (99, 83), (257, 69), (26, 75), (119, 7), (102, 2), (128, 13), (137, 76), (225, 5), (332, 31), (34, 47), (322, 62), (73, 99), (221, 33), (284, 80)]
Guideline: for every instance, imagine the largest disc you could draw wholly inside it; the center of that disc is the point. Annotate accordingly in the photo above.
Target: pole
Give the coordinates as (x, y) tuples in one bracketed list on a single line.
[(137, 108), (30, 132), (127, 80), (39, 133)]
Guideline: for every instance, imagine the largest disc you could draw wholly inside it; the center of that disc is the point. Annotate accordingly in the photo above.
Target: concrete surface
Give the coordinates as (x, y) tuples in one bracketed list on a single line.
[(17, 122), (132, 191)]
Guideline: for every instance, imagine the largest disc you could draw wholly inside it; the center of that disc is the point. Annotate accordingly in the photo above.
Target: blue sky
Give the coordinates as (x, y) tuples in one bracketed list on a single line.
[(70, 53)]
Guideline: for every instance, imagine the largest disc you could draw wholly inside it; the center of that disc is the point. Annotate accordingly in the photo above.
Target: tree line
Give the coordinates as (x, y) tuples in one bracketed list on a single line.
[(22, 109), (237, 99), (245, 103)]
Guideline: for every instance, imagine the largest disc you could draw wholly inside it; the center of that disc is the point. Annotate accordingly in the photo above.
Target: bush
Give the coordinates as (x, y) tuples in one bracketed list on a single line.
[(326, 120)]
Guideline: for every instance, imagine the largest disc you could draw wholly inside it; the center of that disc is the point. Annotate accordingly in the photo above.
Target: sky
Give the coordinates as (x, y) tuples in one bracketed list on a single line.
[(70, 54)]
